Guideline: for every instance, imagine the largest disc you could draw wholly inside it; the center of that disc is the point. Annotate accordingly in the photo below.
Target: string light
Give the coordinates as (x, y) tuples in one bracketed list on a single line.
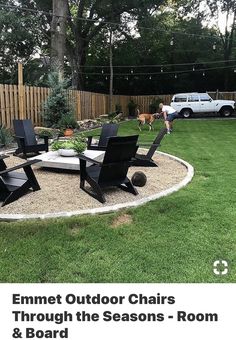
[(102, 71), (176, 76), (203, 73), (131, 71), (161, 65), (214, 46), (166, 72), (58, 27), (172, 41), (193, 68), (150, 77)]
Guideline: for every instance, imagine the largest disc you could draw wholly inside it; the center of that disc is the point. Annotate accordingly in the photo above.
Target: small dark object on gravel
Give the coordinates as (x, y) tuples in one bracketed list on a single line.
[(139, 179)]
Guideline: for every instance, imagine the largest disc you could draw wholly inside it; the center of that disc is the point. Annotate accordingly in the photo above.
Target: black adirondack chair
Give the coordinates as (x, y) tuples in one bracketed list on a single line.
[(108, 130), (112, 171), (146, 160), (14, 184), (26, 138)]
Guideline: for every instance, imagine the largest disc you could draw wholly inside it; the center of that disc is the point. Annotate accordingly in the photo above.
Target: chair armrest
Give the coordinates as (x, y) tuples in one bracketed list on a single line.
[(20, 166), (4, 156), (87, 159)]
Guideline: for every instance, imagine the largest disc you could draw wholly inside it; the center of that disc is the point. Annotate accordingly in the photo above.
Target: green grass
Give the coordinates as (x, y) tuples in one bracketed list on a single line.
[(174, 239)]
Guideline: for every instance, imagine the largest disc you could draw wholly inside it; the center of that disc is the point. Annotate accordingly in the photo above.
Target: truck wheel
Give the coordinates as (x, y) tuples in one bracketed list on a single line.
[(226, 112), (186, 113)]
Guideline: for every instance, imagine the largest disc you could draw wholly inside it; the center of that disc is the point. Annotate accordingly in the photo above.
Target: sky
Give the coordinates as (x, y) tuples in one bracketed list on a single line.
[(221, 18), (222, 22)]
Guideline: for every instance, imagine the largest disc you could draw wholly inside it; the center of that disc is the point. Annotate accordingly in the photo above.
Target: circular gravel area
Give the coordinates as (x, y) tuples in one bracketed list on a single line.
[(60, 194)]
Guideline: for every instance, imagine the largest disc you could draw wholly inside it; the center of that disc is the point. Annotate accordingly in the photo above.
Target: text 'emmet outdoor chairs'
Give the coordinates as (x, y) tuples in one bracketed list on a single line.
[(108, 130), (14, 184), (112, 171), (26, 138), (146, 159)]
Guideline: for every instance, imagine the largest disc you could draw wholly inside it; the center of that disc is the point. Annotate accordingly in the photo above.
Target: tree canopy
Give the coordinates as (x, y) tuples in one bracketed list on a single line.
[(157, 46)]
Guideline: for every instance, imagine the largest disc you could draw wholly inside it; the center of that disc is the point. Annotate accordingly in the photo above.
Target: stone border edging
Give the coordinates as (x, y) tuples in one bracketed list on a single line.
[(111, 208)]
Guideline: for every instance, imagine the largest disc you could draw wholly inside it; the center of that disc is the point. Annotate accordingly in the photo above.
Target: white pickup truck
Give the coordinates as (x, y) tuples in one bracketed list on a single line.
[(188, 103)]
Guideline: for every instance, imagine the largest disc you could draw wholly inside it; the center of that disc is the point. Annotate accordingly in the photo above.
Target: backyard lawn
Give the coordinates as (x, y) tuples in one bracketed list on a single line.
[(174, 239)]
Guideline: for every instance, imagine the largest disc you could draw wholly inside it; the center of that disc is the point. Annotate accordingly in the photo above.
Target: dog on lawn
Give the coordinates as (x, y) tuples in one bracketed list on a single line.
[(147, 118)]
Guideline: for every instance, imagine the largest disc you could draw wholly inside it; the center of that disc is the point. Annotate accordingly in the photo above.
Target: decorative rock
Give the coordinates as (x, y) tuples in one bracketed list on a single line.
[(42, 130), (104, 116), (139, 179), (120, 116), (89, 124)]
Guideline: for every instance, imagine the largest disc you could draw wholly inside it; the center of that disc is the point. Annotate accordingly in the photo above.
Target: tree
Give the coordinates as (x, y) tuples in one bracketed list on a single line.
[(152, 47), (227, 7), (87, 19), (58, 35), (56, 105), (77, 35), (212, 11), (22, 37)]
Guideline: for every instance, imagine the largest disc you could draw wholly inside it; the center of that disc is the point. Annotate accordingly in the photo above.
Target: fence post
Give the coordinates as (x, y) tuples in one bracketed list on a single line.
[(21, 91)]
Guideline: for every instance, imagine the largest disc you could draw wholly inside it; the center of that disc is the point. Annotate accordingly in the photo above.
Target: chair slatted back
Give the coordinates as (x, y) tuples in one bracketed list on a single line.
[(156, 143), (24, 128), (108, 130), (118, 154)]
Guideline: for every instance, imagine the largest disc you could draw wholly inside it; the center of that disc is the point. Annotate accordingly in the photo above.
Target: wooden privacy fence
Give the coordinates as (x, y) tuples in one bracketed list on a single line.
[(20, 102)]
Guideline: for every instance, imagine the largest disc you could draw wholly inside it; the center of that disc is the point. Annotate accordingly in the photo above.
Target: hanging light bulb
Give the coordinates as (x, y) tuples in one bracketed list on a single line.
[(102, 71), (127, 78), (58, 27), (176, 76), (162, 70), (203, 73), (131, 71), (150, 77), (235, 70), (214, 46), (193, 68), (172, 41), (106, 78)]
